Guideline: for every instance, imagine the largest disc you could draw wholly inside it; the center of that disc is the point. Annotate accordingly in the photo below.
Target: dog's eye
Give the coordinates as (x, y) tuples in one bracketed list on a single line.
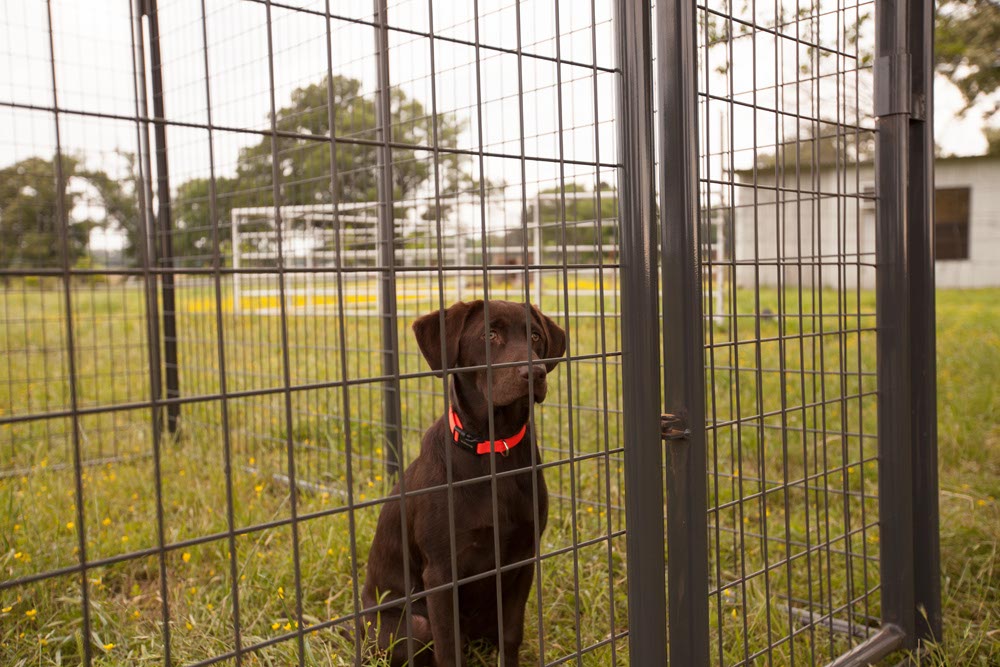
[(535, 337), (492, 335)]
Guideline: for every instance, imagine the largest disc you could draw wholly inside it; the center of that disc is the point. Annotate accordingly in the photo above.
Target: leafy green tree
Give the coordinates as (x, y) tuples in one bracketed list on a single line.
[(30, 224), (992, 140), (567, 221), (580, 215), (967, 48), (967, 53), (119, 199), (304, 163)]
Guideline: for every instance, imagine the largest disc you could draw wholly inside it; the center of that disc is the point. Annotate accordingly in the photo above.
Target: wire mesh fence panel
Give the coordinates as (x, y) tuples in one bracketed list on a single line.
[(220, 220), (786, 185)]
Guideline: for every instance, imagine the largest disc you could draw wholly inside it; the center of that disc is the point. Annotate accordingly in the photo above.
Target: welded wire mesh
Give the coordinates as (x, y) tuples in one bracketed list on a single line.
[(228, 216), (788, 227)]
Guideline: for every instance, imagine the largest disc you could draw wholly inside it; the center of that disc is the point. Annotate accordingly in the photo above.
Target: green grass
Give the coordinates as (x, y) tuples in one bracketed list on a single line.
[(792, 476)]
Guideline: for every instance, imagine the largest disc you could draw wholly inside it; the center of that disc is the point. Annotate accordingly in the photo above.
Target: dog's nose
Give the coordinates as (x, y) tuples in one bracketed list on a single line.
[(534, 372)]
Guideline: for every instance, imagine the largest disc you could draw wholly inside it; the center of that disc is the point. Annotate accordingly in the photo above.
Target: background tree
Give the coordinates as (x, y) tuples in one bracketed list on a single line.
[(579, 213), (967, 54), (119, 199), (30, 225), (967, 49), (304, 163), (992, 140)]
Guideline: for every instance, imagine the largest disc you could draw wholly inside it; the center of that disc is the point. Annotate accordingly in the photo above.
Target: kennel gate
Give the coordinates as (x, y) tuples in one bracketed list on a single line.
[(903, 447), (271, 395)]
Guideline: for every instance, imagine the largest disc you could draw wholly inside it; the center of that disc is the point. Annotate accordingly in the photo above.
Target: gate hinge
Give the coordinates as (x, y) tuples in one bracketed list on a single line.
[(673, 427), (893, 86)]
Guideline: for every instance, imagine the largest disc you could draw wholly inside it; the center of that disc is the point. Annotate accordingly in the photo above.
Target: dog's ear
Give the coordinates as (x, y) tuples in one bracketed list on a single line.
[(427, 330), (556, 339)]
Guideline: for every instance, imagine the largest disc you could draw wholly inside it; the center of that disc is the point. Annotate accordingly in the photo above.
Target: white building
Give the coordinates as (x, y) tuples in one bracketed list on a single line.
[(821, 229)]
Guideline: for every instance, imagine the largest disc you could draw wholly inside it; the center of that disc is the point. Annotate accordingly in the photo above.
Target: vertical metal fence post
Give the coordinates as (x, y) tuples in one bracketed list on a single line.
[(147, 239), (641, 358), (926, 541), (391, 408), (147, 224), (164, 246), (892, 109), (683, 336)]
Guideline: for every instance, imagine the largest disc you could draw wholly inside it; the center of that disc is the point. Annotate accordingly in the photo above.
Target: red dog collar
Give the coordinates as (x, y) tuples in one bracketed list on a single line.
[(471, 443)]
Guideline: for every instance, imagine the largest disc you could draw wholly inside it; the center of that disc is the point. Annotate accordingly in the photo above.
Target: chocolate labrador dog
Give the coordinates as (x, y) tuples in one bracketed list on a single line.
[(514, 334)]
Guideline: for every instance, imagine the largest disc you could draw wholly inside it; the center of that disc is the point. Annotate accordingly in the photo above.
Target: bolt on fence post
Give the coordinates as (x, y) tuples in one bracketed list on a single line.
[(391, 408), (640, 329), (683, 335)]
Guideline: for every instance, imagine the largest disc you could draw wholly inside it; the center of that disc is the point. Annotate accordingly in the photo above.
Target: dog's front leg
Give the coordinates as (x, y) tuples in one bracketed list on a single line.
[(448, 649), (516, 590)]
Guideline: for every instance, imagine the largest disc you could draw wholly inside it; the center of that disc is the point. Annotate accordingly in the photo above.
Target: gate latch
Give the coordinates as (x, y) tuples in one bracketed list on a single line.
[(672, 427)]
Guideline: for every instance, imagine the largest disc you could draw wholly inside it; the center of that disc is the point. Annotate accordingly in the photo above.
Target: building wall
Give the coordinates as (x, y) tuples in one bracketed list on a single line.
[(982, 176), (811, 231), (821, 231)]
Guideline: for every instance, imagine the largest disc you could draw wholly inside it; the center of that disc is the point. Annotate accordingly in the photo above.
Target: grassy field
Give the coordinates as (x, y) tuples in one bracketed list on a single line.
[(793, 479)]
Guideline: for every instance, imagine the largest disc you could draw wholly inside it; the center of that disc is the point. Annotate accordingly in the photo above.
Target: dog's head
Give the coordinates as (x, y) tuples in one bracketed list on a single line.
[(460, 336)]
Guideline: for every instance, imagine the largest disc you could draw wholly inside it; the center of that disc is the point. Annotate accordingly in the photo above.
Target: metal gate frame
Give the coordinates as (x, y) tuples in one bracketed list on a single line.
[(907, 421)]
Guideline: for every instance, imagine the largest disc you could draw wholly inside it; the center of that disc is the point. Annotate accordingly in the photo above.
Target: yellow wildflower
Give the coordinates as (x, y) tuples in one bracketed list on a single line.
[(186, 557), (31, 613)]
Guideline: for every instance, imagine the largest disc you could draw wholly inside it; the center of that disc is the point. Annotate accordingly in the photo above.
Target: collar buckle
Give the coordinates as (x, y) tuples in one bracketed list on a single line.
[(471, 443), (465, 440)]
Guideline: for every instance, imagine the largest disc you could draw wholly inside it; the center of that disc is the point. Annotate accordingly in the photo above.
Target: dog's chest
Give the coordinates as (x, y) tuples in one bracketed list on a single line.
[(512, 524)]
